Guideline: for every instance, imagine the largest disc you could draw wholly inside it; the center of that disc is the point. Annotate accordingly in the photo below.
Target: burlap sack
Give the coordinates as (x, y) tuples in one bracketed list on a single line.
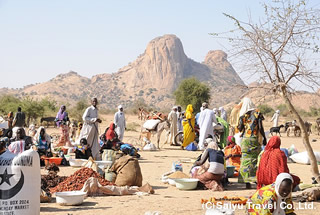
[(128, 171)]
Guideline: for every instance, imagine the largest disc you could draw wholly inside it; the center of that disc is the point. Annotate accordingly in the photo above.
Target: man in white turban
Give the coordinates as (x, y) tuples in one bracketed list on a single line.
[(120, 122), (173, 118)]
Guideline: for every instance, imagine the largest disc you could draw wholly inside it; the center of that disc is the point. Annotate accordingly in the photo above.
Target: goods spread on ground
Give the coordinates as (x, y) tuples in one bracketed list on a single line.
[(178, 174), (76, 181), (225, 200), (51, 179)]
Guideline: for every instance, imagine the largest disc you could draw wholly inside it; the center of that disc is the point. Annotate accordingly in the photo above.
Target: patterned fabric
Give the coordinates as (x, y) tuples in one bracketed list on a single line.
[(263, 201), (249, 123), (224, 136), (210, 180), (250, 149)]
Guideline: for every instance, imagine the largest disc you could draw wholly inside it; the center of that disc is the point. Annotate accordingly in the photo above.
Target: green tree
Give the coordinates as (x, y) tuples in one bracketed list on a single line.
[(192, 91), (32, 108), (77, 111), (265, 109), (9, 103)]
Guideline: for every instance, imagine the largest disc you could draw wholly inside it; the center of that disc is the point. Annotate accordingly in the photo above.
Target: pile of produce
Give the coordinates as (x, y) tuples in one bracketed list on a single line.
[(178, 174), (77, 180), (51, 180), (225, 199)]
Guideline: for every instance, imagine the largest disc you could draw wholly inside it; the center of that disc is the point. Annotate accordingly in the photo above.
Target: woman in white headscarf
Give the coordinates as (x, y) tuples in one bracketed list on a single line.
[(214, 172), (43, 141), (273, 199), (251, 128)]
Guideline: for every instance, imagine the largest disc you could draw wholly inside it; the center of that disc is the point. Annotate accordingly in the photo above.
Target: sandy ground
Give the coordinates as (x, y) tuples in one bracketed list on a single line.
[(168, 199)]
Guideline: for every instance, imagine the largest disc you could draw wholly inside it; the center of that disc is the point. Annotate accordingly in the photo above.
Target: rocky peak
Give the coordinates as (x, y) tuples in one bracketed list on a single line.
[(215, 57)]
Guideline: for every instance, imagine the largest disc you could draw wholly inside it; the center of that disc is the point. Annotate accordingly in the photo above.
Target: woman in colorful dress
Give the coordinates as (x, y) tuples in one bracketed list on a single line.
[(251, 128), (61, 120), (274, 199), (232, 154), (43, 141), (273, 161), (188, 127)]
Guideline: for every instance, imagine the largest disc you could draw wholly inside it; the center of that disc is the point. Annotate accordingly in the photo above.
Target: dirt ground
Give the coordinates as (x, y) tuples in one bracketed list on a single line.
[(168, 199)]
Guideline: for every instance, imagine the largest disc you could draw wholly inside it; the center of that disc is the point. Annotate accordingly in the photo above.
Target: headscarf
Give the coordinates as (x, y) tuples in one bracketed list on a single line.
[(235, 115), (46, 136), (231, 139), (110, 135), (189, 109), (273, 161), (278, 111), (280, 178), (119, 107), (247, 105), (61, 115), (214, 110)]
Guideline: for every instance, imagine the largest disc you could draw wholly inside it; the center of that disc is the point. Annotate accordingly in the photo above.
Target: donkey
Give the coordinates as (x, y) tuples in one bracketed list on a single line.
[(164, 125)]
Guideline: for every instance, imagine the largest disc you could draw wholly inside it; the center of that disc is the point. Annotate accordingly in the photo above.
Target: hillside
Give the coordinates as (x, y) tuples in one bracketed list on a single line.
[(153, 76)]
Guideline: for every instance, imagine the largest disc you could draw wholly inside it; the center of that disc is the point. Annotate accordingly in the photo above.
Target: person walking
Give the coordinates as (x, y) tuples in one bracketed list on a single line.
[(275, 118), (206, 120), (172, 117), (19, 119), (120, 122)]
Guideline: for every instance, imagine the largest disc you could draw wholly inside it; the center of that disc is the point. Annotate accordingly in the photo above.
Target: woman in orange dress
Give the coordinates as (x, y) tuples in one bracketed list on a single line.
[(232, 153)]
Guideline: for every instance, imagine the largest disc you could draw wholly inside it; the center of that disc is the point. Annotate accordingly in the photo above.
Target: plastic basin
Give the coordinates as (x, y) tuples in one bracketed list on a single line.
[(230, 171), (186, 183), (77, 162), (70, 197)]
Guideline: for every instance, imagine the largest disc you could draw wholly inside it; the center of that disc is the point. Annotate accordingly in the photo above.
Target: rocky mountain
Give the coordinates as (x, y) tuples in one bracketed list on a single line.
[(153, 76)]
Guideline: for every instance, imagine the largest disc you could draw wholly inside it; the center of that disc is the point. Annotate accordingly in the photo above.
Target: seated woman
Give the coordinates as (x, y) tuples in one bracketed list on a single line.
[(232, 153), (273, 162), (274, 198), (213, 175), (20, 143), (109, 138), (82, 151), (43, 142)]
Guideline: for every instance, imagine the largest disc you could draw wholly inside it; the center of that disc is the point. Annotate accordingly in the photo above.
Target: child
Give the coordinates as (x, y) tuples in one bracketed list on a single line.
[(82, 151)]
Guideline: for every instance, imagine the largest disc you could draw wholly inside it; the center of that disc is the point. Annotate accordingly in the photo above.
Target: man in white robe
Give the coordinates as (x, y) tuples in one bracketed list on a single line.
[(173, 118), (275, 118), (90, 129), (180, 118), (120, 122), (206, 120)]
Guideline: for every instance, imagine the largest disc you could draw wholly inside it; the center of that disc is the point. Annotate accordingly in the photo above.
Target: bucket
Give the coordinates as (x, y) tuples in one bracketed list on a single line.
[(230, 171)]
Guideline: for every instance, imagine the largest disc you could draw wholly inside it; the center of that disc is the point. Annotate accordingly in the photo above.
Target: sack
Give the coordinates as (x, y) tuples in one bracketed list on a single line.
[(303, 157), (192, 147), (149, 147), (20, 188), (109, 155), (151, 124), (128, 171), (91, 164)]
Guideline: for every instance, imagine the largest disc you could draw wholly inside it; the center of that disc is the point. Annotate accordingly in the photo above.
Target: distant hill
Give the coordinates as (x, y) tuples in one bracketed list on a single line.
[(153, 76)]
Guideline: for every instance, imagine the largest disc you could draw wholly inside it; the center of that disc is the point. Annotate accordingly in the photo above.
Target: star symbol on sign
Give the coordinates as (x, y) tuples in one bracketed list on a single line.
[(5, 177)]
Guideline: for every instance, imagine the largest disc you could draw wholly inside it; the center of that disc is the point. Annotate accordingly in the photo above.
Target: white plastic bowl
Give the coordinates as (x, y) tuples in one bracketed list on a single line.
[(70, 197), (171, 181), (186, 183), (104, 164), (77, 162)]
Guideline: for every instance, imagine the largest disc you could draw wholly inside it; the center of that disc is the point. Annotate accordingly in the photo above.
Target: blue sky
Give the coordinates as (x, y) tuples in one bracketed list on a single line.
[(40, 38)]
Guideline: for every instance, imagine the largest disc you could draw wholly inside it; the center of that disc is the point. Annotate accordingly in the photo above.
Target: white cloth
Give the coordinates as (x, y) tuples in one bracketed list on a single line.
[(120, 122), (46, 136), (223, 113), (90, 130), (216, 168), (247, 105), (282, 176), (173, 119), (275, 118), (17, 147), (206, 120)]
